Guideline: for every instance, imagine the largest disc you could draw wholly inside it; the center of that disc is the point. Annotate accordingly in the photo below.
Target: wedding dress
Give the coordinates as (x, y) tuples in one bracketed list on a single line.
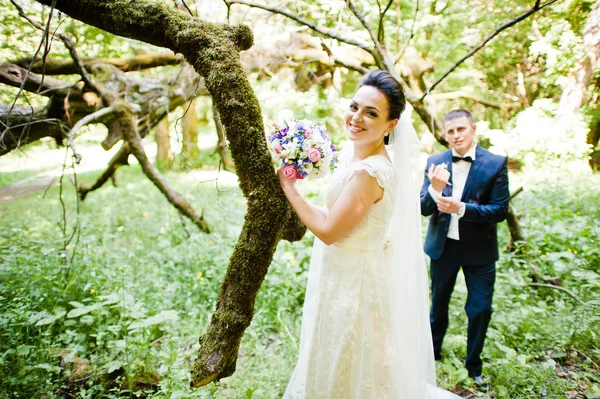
[(365, 328)]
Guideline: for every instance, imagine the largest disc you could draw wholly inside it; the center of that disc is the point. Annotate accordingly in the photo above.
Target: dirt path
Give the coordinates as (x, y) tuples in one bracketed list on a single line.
[(26, 187)]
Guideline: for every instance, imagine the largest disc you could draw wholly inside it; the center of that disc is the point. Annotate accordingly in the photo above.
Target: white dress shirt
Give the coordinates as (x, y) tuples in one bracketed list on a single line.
[(460, 171)]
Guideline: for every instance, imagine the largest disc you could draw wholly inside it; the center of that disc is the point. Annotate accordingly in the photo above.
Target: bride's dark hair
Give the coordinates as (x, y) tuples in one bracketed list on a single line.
[(391, 89)]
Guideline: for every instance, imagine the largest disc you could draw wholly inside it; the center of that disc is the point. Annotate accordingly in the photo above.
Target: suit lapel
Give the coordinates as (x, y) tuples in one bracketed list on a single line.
[(479, 160), (447, 191)]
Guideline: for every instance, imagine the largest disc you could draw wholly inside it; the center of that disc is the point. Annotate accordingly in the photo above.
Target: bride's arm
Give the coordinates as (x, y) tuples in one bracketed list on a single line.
[(353, 204)]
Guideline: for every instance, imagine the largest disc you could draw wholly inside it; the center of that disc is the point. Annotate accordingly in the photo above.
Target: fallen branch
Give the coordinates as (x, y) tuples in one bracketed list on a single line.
[(59, 66), (556, 287), (16, 76), (515, 193)]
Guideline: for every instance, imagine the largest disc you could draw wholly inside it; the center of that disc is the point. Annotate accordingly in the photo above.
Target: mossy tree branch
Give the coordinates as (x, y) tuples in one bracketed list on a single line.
[(213, 50)]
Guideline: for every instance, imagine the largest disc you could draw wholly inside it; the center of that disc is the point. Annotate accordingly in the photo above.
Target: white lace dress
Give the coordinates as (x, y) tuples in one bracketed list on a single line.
[(346, 346)]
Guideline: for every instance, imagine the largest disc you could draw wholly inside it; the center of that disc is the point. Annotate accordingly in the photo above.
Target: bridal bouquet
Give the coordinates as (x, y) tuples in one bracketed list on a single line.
[(303, 149)]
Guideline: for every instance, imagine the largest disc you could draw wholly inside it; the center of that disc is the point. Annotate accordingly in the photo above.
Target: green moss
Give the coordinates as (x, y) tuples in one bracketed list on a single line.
[(213, 50)]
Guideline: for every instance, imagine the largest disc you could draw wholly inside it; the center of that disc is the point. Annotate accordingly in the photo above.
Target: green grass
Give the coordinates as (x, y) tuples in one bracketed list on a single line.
[(133, 292)]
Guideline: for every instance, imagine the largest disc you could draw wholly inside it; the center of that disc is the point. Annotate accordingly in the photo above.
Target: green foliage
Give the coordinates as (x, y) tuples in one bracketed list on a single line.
[(538, 141), (136, 292)]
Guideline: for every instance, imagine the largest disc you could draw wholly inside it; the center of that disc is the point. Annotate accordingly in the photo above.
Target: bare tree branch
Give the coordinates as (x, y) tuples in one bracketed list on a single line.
[(355, 66), (60, 66), (322, 30), (187, 8), (537, 7), (81, 123), (81, 70), (515, 193), (556, 287), (379, 54), (16, 76), (380, 30), (25, 79), (125, 117), (473, 97), (411, 35), (118, 160)]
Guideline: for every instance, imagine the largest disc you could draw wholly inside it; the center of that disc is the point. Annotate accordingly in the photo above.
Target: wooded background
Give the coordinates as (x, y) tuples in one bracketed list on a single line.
[(180, 87)]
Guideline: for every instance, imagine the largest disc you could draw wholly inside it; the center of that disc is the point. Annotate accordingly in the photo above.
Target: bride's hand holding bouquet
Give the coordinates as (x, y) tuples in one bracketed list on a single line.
[(302, 149)]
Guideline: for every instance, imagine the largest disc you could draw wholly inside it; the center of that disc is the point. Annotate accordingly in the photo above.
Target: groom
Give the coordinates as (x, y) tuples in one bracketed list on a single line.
[(466, 194)]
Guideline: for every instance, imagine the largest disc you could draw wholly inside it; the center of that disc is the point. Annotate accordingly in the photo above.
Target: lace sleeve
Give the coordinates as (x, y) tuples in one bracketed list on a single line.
[(376, 167)]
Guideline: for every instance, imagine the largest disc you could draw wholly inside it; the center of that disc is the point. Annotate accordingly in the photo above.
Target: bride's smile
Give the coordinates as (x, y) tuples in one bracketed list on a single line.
[(367, 118)]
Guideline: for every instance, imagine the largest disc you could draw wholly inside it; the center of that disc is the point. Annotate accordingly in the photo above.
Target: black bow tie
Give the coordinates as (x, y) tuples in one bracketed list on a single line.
[(467, 159)]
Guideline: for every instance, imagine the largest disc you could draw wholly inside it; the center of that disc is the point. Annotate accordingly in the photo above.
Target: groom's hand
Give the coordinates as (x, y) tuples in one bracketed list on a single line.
[(448, 205), (438, 175)]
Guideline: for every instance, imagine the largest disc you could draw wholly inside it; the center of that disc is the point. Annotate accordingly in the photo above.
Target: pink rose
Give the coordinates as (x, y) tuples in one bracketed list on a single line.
[(277, 148), (289, 171), (314, 155), (308, 132)]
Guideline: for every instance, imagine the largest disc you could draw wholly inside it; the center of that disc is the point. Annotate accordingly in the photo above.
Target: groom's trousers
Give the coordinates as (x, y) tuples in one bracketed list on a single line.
[(480, 287)]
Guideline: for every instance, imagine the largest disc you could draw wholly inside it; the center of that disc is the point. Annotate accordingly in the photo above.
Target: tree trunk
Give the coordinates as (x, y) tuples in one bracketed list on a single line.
[(163, 145), (592, 139), (222, 142), (515, 231), (189, 127), (516, 234), (581, 76), (213, 50)]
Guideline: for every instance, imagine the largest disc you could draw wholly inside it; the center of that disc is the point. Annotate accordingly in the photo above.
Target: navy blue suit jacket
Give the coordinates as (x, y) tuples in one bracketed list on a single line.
[(486, 198)]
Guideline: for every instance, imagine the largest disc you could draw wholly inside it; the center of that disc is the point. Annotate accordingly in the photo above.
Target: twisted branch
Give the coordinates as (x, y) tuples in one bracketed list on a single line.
[(537, 7), (324, 31)]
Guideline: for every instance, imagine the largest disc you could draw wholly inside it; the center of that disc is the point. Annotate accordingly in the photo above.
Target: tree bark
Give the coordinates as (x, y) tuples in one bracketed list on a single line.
[(163, 145), (222, 141), (213, 50), (63, 66), (24, 125), (118, 160), (14, 75), (189, 127), (515, 231), (581, 76), (592, 139)]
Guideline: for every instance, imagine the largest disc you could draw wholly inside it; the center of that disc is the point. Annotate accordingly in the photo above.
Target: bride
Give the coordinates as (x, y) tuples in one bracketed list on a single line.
[(365, 328)]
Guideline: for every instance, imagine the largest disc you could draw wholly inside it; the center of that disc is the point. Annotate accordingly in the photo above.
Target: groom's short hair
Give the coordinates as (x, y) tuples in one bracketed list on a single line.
[(459, 113)]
